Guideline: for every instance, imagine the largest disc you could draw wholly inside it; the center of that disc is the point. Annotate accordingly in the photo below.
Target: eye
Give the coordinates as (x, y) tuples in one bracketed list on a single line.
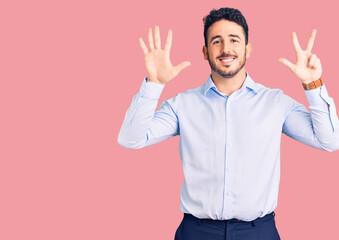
[(216, 42), (234, 40)]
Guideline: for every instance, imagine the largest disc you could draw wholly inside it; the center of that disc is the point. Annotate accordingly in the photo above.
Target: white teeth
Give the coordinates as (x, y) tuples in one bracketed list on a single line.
[(227, 60)]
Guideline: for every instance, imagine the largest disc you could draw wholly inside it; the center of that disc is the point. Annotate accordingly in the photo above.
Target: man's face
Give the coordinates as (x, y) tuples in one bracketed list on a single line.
[(227, 50)]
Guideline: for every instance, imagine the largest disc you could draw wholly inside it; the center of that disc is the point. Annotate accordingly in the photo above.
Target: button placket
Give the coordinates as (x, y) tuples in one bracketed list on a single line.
[(229, 176)]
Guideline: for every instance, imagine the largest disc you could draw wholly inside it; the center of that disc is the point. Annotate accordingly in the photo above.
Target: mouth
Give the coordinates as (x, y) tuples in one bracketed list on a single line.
[(226, 60)]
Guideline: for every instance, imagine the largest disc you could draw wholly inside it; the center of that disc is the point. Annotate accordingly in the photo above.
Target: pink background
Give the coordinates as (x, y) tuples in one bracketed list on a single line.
[(69, 70)]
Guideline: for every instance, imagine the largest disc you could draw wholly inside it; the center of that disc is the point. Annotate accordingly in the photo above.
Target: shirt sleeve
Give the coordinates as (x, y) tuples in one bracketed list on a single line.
[(320, 128), (143, 126)]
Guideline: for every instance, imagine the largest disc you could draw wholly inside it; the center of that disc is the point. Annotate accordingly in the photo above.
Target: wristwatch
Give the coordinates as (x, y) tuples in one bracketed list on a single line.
[(313, 85)]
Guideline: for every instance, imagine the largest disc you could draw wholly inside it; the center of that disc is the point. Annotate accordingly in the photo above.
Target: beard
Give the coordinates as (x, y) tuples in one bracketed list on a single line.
[(222, 71)]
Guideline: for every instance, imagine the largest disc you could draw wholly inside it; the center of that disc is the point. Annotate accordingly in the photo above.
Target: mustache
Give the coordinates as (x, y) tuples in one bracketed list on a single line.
[(226, 55)]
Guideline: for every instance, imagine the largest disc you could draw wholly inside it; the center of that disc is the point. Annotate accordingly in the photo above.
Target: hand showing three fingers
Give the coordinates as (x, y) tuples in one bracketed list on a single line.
[(158, 65), (308, 66)]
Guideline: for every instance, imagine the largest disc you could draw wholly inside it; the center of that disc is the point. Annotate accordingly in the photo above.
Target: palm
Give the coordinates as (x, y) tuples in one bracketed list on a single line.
[(308, 67), (158, 65)]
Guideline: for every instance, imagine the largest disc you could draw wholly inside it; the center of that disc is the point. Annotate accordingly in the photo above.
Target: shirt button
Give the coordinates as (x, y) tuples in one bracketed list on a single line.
[(230, 120), (229, 194), (229, 169)]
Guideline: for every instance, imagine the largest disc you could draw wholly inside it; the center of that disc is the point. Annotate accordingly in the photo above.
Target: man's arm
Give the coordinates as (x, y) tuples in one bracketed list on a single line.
[(143, 126), (320, 127)]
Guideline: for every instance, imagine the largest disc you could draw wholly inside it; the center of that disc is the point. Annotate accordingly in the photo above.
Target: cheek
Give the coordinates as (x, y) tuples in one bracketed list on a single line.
[(214, 53), (242, 53), (209, 55)]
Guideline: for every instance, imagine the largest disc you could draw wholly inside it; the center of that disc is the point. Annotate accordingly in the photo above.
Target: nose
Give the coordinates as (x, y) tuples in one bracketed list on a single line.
[(225, 48)]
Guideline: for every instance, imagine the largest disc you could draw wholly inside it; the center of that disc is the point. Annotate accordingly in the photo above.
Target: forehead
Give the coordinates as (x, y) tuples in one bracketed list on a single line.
[(224, 27)]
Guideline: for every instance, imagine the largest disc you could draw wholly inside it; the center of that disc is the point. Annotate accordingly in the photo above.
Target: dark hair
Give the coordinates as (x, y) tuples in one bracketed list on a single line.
[(229, 14)]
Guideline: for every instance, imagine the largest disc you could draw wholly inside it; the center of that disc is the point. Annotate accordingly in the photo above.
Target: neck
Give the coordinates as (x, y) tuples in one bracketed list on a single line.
[(228, 85)]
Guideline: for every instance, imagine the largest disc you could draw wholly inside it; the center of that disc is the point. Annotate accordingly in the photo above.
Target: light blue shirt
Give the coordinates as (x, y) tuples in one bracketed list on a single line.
[(230, 145)]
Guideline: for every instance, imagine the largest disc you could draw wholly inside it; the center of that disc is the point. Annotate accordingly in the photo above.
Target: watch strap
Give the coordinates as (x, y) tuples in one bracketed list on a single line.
[(313, 85)]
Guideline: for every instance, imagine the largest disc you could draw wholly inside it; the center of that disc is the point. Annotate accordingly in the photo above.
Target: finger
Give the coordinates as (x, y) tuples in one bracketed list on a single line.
[(287, 63), (150, 39), (143, 46), (317, 63), (312, 60), (296, 42), (168, 43), (311, 41), (181, 66), (157, 42)]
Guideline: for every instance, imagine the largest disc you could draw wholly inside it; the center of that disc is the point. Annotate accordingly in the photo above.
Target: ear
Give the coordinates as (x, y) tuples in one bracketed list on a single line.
[(248, 50), (204, 51)]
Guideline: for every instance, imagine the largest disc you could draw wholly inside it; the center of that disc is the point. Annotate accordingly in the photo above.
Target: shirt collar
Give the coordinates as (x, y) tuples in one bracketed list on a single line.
[(248, 83)]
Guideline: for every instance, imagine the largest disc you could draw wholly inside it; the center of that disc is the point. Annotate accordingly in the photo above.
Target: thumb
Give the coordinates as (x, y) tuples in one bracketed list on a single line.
[(181, 66), (287, 63)]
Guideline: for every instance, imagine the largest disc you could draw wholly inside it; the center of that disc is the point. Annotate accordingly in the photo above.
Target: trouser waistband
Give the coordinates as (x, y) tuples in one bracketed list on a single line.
[(265, 218)]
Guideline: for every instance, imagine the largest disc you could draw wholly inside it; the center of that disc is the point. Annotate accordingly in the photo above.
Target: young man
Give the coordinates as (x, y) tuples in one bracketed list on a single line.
[(230, 130)]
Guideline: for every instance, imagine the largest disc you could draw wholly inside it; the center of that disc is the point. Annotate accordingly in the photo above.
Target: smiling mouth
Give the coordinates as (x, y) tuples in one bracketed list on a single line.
[(226, 59)]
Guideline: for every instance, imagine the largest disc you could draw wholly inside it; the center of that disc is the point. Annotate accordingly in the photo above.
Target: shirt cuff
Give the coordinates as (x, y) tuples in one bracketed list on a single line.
[(318, 98), (150, 89)]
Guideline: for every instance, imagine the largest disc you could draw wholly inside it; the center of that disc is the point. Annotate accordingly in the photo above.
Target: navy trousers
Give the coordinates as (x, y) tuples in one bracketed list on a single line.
[(192, 228)]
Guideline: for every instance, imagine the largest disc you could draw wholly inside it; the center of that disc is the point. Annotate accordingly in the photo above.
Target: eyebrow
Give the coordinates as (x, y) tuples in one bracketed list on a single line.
[(219, 36), (234, 35)]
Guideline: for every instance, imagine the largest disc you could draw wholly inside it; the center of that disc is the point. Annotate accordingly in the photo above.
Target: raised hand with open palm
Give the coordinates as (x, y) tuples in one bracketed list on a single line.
[(308, 67), (157, 61)]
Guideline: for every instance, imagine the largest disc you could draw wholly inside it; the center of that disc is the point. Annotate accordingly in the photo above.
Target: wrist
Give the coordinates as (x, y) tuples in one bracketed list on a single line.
[(313, 84), (154, 81)]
